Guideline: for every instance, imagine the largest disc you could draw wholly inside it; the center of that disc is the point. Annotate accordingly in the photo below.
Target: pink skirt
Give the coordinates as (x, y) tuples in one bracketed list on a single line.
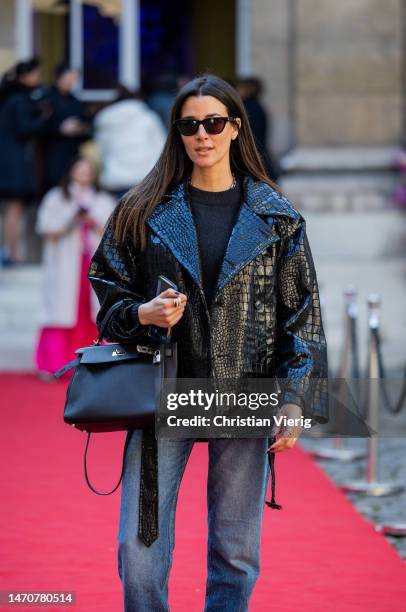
[(56, 345)]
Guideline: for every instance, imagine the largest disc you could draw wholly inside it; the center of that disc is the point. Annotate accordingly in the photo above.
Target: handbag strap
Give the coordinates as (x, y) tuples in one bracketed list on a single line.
[(122, 467), (103, 326), (106, 319), (67, 367)]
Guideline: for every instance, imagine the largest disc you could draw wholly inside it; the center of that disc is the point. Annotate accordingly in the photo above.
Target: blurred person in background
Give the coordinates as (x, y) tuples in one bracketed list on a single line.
[(129, 137), (250, 88), (21, 120), (162, 94), (71, 218), (66, 128)]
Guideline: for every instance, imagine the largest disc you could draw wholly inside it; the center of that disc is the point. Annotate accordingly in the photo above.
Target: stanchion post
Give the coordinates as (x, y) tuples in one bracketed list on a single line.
[(370, 486), (350, 315), (350, 312), (350, 318), (374, 306)]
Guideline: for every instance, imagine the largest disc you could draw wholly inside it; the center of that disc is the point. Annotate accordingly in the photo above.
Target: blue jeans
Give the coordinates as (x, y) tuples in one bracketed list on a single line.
[(236, 488)]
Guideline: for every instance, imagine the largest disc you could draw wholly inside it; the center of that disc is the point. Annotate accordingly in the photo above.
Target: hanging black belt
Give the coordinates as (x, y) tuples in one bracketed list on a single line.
[(148, 497)]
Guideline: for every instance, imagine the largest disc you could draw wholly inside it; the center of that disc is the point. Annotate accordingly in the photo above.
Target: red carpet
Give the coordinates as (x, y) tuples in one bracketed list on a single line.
[(318, 553)]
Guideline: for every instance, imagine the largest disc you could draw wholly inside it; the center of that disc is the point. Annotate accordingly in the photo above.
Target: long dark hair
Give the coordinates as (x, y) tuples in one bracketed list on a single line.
[(174, 165)]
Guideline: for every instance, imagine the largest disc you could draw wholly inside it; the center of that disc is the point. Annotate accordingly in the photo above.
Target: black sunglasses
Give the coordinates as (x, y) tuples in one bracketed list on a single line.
[(212, 125)]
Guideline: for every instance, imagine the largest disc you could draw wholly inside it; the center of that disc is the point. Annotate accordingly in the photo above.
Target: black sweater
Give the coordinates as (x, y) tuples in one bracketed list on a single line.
[(214, 213)]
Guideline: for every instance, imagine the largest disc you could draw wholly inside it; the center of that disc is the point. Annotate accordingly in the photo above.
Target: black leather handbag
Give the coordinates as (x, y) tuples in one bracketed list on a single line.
[(117, 386)]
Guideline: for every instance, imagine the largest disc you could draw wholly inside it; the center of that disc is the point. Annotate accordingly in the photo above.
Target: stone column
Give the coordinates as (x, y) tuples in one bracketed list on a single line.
[(130, 44), (271, 55), (7, 34), (23, 29), (347, 104), (348, 72)]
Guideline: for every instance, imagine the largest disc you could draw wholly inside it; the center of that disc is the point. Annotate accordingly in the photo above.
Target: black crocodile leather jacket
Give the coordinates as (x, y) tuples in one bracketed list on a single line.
[(265, 316)]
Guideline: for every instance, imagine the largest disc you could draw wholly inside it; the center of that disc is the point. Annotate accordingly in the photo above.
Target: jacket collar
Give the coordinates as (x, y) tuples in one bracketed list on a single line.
[(172, 221)]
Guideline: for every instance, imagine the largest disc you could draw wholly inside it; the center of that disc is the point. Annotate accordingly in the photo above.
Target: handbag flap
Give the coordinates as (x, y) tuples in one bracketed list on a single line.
[(110, 353)]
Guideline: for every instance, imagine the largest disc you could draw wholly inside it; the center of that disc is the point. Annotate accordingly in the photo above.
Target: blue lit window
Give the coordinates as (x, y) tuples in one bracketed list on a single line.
[(166, 37), (100, 49)]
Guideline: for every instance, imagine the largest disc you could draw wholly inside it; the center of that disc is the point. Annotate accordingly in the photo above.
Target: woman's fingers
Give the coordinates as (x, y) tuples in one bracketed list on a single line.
[(287, 435), (287, 439), (171, 293), (282, 444), (163, 310), (173, 311), (169, 312), (169, 305), (176, 316)]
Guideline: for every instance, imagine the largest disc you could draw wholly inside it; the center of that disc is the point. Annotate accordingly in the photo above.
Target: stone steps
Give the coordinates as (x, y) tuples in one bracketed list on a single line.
[(365, 250), (340, 178), (20, 299)]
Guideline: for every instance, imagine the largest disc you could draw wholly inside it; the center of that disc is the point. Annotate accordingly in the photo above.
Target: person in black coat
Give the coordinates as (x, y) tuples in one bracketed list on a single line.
[(250, 89), (66, 128), (21, 120)]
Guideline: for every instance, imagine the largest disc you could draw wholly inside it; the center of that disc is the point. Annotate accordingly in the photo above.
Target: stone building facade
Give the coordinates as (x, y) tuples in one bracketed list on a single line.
[(334, 77)]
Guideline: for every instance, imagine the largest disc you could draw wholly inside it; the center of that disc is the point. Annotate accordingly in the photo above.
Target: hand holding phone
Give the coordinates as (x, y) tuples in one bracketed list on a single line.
[(164, 284), (166, 309)]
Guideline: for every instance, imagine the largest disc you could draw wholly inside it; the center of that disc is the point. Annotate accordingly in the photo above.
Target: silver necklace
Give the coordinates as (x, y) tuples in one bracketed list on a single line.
[(233, 184)]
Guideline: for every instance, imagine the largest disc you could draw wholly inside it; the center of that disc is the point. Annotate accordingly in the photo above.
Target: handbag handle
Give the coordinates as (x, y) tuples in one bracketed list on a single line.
[(106, 320), (122, 466), (97, 342)]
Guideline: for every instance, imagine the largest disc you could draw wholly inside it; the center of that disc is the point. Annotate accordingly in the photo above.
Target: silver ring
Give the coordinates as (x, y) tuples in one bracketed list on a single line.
[(176, 302)]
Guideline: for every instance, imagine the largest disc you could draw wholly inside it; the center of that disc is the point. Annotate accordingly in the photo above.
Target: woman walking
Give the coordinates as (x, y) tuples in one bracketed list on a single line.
[(208, 218), (71, 219)]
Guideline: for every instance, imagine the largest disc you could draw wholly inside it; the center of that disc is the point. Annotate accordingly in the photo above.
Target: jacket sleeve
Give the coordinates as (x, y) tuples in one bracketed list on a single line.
[(302, 366), (52, 216), (114, 276), (25, 123)]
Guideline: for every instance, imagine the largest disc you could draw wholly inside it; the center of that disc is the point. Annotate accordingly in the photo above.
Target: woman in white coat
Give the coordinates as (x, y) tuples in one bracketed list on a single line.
[(71, 219)]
